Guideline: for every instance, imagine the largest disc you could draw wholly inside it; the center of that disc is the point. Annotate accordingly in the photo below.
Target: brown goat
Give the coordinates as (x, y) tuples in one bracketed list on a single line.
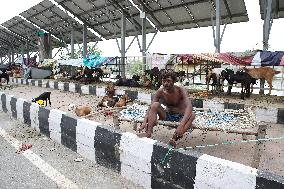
[(110, 90), (81, 110), (265, 73), (122, 101)]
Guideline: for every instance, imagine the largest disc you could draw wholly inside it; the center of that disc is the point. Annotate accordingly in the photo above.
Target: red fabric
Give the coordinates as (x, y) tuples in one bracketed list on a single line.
[(226, 57), (186, 58)]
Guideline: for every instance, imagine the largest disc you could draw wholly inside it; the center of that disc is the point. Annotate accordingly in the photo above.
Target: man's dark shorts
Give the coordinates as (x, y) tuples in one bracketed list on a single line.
[(173, 117)]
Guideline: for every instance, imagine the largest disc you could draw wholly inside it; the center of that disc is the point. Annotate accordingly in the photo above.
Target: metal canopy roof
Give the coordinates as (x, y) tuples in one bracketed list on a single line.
[(22, 27), (25, 29), (277, 9), (170, 15), (104, 16), (49, 17), (9, 40)]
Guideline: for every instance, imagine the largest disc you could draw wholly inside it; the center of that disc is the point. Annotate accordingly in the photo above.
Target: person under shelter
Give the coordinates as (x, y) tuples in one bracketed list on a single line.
[(178, 108)]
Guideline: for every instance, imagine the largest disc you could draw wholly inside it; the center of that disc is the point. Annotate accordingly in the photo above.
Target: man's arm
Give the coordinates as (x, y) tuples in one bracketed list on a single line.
[(156, 98), (188, 109)]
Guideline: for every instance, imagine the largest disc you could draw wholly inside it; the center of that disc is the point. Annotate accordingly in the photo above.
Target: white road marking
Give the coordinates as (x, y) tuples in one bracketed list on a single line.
[(47, 169)]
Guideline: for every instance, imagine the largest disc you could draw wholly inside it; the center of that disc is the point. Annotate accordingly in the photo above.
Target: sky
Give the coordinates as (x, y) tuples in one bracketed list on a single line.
[(237, 37)]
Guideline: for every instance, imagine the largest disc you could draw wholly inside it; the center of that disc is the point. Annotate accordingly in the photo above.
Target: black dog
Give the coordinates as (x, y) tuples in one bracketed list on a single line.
[(44, 96), (5, 76)]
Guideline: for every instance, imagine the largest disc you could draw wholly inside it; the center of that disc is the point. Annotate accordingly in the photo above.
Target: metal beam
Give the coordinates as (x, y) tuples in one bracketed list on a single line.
[(217, 36), (144, 42), (137, 25), (85, 47), (228, 8), (122, 49), (200, 20), (72, 43), (147, 10), (80, 18), (267, 23)]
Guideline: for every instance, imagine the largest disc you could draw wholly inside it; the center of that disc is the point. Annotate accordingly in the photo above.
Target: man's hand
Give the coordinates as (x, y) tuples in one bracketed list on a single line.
[(143, 126), (179, 130)]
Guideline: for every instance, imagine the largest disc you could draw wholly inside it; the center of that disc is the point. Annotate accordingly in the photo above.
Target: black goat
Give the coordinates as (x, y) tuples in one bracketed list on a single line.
[(239, 77), (44, 96), (4, 69), (122, 81)]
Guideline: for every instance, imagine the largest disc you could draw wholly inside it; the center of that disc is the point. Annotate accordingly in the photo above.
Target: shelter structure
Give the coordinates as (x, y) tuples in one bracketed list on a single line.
[(55, 21), (269, 10)]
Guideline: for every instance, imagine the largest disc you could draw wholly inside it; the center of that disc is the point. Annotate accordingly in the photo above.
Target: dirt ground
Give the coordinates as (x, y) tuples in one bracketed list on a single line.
[(272, 154)]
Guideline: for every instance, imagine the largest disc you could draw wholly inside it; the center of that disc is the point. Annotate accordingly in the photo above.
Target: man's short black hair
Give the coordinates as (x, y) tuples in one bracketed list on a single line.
[(169, 73)]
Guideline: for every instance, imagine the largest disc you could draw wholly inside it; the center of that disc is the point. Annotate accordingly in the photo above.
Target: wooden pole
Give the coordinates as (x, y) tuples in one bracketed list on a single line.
[(175, 125), (105, 110), (261, 132)]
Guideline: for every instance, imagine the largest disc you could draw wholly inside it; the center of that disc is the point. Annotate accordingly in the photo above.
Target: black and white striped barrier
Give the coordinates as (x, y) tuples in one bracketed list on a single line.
[(266, 114), (140, 160)]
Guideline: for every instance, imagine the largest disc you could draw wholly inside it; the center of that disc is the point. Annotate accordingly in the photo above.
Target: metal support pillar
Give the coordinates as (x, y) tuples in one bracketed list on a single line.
[(28, 51), (122, 48), (22, 53), (72, 43), (144, 45), (9, 55), (217, 36), (12, 55), (49, 46), (266, 31), (1, 60), (85, 46)]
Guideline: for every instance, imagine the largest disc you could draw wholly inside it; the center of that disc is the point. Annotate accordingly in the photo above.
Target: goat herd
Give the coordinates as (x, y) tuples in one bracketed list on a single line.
[(152, 79), (246, 77)]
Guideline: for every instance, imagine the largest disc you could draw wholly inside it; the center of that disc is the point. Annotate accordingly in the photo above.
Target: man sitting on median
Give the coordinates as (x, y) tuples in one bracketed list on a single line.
[(178, 108)]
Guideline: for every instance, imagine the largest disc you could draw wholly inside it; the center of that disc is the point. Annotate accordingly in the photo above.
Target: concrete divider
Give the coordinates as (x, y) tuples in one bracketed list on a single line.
[(141, 160), (267, 114)]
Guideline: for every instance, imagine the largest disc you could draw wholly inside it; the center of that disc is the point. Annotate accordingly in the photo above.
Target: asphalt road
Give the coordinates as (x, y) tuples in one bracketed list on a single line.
[(47, 164)]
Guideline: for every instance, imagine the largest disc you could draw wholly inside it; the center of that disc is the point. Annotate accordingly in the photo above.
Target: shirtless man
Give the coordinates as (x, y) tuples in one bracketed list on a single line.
[(178, 108)]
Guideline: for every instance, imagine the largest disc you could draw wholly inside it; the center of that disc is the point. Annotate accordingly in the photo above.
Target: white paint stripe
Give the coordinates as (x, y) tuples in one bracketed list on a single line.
[(8, 104), (61, 86), (213, 172), (44, 167), (85, 89)]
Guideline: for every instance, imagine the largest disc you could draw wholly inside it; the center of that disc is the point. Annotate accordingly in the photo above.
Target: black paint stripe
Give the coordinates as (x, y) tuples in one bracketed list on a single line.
[(43, 115), (68, 132), (234, 106), (47, 84), (93, 90), (133, 95), (198, 103), (26, 112), (13, 103), (107, 144), (33, 82), (78, 88), (3, 100), (280, 116), (66, 86), (55, 84), (266, 180), (40, 83), (170, 171)]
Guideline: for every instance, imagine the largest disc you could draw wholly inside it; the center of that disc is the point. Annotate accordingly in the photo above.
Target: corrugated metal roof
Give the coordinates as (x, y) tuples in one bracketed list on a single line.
[(185, 14), (104, 16), (51, 18), (277, 9)]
